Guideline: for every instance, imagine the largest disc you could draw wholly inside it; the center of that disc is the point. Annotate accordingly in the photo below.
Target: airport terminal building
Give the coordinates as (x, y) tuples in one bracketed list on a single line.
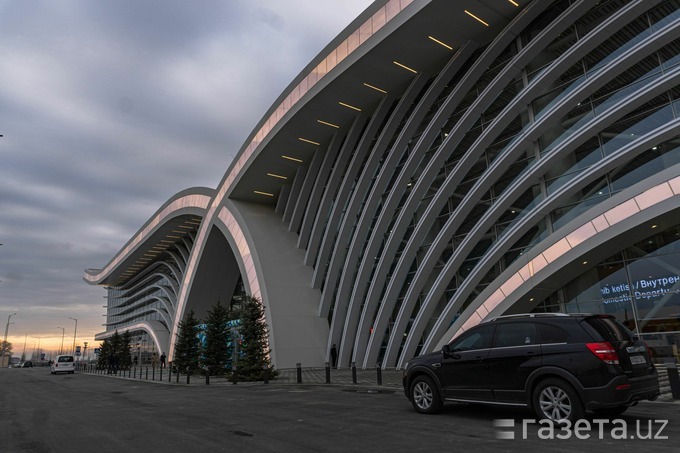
[(438, 163)]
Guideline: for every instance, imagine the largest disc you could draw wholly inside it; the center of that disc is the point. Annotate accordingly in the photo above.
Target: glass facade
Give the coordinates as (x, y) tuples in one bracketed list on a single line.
[(640, 285)]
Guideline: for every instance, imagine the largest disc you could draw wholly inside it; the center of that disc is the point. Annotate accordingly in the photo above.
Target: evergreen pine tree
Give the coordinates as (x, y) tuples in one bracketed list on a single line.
[(254, 342), (105, 351), (123, 352), (217, 334), (188, 345)]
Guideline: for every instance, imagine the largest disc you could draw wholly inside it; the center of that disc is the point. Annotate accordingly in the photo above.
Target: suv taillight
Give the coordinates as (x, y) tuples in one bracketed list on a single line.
[(605, 352)]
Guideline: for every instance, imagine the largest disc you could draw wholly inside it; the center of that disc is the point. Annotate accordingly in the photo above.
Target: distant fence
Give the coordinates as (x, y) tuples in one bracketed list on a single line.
[(390, 377)]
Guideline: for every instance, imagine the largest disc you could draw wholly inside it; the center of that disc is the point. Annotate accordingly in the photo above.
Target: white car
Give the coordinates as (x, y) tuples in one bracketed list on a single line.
[(63, 364)]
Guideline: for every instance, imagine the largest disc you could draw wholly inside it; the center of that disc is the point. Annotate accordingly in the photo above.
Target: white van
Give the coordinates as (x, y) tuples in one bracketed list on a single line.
[(63, 364)]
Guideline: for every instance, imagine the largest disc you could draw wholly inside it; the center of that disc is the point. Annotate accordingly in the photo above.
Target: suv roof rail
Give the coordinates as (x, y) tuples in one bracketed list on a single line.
[(526, 315)]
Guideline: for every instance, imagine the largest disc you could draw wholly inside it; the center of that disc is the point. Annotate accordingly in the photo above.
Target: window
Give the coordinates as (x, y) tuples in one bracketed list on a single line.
[(609, 329), (478, 338), (552, 334), (515, 334)]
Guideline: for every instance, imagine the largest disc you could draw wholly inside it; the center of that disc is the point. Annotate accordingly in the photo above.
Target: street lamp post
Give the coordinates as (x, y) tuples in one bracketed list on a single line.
[(61, 349), (4, 343), (74, 335), (39, 338)]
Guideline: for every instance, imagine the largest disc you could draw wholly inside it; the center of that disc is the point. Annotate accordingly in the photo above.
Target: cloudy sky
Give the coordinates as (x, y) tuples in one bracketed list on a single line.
[(107, 109)]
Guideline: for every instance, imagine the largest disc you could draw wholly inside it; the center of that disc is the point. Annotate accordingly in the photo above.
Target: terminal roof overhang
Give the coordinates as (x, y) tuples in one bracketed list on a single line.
[(405, 39), (372, 63)]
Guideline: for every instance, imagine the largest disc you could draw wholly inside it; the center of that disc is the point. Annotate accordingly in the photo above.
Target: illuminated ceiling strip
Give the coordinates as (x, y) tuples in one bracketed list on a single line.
[(263, 193), (514, 3), (175, 237), (294, 159), (309, 141), (375, 88), (185, 227), (440, 43), (328, 124), (273, 175), (350, 106), (475, 17), (167, 242), (405, 67)]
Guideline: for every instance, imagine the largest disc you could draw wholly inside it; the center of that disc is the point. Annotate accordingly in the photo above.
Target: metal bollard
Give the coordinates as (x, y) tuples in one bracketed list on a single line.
[(299, 372), (354, 373), (379, 371), (265, 372), (147, 374), (673, 378), (328, 373), (234, 377), (188, 374), (153, 373), (177, 371), (160, 378)]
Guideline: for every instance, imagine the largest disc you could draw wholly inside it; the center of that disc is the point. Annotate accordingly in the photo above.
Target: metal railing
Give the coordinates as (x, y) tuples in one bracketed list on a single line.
[(390, 377)]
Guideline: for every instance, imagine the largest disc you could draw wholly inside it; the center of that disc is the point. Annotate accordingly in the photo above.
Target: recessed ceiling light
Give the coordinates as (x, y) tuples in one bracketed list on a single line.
[(273, 175), (328, 124), (654, 226), (350, 106), (585, 262), (440, 43), (475, 17), (294, 159), (405, 67), (309, 141), (375, 88), (263, 193)]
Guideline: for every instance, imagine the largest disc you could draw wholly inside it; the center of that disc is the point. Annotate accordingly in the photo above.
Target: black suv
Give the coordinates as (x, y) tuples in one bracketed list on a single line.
[(559, 365)]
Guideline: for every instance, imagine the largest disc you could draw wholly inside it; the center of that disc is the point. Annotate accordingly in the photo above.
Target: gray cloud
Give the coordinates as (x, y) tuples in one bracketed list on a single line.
[(108, 109)]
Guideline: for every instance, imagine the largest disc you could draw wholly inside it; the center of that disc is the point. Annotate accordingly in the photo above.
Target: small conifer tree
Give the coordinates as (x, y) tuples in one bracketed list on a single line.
[(254, 342), (215, 354), (188, 345)]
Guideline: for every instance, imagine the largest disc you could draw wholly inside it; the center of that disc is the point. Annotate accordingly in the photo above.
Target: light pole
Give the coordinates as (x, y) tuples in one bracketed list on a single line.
[(23, 354), (61, 349), (39, 338), (4, 342), (74, 335)]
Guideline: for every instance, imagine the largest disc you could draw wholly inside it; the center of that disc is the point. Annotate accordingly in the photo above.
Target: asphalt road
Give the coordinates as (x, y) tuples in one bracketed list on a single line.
[(40, 412)]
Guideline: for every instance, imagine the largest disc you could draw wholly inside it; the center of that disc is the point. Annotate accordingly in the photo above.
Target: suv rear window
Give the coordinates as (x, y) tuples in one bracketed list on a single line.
[(609, 329), (66, 359)]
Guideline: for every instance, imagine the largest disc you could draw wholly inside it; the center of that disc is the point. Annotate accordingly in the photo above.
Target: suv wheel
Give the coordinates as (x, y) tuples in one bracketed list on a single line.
[(425, 395), (556, 400)]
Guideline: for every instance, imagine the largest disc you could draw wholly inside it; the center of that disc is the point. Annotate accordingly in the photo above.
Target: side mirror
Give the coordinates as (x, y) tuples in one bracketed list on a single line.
[(446, 350)]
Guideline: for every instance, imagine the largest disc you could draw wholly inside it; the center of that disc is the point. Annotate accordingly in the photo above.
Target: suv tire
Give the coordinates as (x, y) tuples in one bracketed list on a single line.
[(554, 399), (425, 395)]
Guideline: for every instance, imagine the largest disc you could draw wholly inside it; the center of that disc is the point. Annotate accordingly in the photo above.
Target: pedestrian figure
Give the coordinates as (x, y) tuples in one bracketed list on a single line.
[(163, 360), (334, 356)]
